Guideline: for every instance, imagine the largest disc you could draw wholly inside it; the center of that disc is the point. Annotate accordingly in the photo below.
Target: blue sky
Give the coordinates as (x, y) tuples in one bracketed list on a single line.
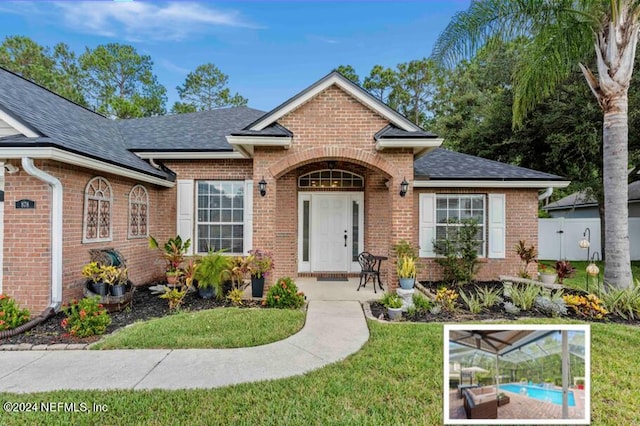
[(269, 50)]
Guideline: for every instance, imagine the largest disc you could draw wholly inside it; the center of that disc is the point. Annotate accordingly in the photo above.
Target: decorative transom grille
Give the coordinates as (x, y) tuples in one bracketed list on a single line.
[(98, 199), (330, 178), (138, 212)]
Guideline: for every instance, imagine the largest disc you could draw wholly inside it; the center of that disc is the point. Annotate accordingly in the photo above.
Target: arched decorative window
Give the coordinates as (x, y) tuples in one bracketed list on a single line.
[(98, 201), (330, 178), (138, 212)]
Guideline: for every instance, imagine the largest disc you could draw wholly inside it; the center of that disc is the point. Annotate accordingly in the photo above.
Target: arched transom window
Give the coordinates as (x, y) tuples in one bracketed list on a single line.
[(330, 179), (138, 212), (98, 202)]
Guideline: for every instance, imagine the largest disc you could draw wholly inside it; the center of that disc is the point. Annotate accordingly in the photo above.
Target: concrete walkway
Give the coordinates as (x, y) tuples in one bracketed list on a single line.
[(333, 331)]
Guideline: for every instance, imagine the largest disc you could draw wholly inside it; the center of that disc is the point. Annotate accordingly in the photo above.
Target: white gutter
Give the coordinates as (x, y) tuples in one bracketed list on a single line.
[(546, 194), (56, 229)]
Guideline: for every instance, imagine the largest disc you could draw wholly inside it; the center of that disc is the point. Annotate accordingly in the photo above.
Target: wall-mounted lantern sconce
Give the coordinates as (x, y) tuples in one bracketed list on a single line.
[(404, 187), (262, 185)]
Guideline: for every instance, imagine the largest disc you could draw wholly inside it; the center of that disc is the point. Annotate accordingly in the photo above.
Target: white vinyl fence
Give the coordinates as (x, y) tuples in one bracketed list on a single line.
[(558, 238)]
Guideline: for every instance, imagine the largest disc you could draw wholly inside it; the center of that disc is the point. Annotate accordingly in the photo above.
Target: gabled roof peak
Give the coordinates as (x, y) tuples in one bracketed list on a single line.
[(334, 78)]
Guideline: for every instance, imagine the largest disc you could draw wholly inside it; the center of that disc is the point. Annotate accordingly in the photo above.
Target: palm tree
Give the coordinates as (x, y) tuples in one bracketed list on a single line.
[(560, 34)]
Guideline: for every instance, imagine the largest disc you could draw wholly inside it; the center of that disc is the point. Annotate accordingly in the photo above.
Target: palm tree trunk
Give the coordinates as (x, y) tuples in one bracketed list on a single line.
[(617, 271)]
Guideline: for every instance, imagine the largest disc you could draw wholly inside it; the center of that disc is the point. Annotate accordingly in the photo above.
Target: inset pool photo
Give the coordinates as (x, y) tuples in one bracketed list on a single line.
[(517, 374)]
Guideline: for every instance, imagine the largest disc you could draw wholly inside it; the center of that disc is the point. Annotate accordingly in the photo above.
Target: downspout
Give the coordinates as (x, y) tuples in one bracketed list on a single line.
[(56, 229), (546, 194), (56, 249)]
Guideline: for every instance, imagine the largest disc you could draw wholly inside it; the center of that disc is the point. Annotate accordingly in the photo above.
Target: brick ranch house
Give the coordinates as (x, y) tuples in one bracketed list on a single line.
[(333, 158)]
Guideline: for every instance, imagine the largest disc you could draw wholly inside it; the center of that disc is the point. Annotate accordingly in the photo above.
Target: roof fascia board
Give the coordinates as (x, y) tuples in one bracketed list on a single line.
[(245, 144), (491, 183), (420, 145), (62, 156), (361, 96), (190, 155), (21, 127)]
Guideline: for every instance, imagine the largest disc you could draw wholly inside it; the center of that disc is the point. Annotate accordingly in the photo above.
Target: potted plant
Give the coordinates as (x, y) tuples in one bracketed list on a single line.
[(406, 269), (92, 271), (174, 251), (119, 286), (393, 303), (546, 274), (258, 264), (580, 384), (212, 271)]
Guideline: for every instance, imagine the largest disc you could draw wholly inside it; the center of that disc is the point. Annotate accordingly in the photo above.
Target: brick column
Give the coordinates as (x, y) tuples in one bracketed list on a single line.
[(264, 210)]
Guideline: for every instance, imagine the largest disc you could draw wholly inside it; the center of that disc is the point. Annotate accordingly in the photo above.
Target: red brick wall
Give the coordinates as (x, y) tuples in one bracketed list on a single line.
[(27, 260), (335, 126), (521, 213)]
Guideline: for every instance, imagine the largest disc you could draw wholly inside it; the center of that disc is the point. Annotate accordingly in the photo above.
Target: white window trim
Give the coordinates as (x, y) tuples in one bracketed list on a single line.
[(353, 175), (244, 216), (145, 197), (88, 197), (485, 238)]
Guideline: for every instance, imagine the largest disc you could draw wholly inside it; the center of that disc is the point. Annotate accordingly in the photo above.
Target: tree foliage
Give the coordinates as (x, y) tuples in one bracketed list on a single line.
[(560, 35), (120, 82), (58, 71), (349, 72), (205, 89)]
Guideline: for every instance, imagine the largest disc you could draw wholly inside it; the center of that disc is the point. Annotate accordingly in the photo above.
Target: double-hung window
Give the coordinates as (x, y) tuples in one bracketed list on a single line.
[(452, 210), (220, 216)]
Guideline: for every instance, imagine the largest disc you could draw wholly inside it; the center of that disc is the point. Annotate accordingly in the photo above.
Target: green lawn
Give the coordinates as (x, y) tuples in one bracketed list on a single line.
[(579, 279), (212, 328), (395, 379)]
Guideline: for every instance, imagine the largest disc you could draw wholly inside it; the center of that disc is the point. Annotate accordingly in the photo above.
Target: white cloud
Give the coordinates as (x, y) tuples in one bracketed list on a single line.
[(136, 21), (170, 66)]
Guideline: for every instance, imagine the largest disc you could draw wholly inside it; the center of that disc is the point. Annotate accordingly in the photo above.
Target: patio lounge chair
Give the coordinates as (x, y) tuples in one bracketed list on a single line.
[(481, 403)]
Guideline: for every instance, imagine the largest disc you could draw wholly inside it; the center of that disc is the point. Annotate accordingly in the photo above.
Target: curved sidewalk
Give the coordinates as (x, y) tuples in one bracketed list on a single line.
[(333, 330)]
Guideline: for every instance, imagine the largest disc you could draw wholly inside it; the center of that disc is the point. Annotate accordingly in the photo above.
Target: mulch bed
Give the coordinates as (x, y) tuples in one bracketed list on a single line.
[(145, 306), (497, 312)]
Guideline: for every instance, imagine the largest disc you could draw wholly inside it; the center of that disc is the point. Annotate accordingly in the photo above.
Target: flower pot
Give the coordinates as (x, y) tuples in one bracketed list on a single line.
[(206, 293), (100, 288), (257, 286), (548, 278), (394, 313), (406, 283), (117, 290)]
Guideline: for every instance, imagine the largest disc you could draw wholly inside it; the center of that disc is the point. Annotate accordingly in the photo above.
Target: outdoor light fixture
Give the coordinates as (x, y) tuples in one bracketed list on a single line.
[(262, 185), (404, 187)]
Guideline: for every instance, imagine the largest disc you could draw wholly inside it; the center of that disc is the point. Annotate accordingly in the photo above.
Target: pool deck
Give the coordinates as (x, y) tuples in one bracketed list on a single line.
[(522, 407)]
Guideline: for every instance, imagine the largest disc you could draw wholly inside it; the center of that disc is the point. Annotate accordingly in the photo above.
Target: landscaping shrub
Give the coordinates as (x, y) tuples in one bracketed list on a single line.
[(524, 295), (489, 297), (175, 297), (391, 300), (86, 317), (284, 294), (551, 303), (564, 269), (447, 299), (472, 301), (527, 255), (421, 303), (589, 306), (624, 303), (459, 252), (235, 297), (11, 316)]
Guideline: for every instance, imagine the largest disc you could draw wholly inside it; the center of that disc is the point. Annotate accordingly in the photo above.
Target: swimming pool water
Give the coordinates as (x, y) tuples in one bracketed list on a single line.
[(548, 395)]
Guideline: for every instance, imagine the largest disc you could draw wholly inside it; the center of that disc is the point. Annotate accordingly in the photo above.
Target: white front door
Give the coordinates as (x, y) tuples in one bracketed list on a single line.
[(330, 232)]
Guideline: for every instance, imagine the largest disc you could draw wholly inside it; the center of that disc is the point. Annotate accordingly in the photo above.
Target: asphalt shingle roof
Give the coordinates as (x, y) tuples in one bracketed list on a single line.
[(391, 131), (67, 125), (202, 131), (581, 199), (444, 164)]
